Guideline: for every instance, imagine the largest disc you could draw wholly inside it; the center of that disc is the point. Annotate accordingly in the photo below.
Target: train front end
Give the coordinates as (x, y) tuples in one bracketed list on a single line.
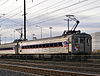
[(82, 44)]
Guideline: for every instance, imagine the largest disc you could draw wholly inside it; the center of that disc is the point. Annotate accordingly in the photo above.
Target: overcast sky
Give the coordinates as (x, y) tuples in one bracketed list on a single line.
[(47, 13)]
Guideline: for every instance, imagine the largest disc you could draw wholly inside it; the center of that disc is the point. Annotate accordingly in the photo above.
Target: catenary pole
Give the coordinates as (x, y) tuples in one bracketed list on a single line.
[(24, 19)]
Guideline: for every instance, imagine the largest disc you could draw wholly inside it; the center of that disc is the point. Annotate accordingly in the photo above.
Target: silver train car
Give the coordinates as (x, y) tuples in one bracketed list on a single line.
[(56, 48)]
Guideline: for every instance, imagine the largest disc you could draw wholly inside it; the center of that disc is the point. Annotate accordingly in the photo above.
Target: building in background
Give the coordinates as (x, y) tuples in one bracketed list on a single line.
[(96, 42)]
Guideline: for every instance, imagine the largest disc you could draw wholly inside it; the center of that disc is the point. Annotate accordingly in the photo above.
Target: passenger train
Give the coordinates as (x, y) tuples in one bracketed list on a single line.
[(60, 47)]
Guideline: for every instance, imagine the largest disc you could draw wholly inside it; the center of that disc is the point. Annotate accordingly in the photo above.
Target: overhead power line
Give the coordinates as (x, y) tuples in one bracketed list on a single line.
[(69, 13), (10, 16), (3, 3), (62, 8), (38, 4), (14, 10), (57, 4)]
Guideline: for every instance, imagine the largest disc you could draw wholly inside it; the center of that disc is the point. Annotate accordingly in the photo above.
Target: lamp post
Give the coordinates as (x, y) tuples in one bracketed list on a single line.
[(34, 37), (11, 36), (14, 34), (5, 39), (50, 31), (41, 30)]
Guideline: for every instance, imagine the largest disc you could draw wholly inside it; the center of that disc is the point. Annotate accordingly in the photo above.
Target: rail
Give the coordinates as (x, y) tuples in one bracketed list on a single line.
[(42, 71)]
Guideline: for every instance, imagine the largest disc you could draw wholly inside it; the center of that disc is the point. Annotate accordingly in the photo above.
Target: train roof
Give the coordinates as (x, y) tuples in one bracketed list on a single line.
[(61, 36)]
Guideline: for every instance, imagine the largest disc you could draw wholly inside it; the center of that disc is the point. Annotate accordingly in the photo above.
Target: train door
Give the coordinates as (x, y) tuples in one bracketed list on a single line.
[(82, 42), (85, 45), (17, 48), (78, 45), (88, 46)]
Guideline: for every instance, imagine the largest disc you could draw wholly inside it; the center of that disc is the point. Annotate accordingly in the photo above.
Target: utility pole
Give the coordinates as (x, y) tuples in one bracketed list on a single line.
[(20, 31), (24, 19)]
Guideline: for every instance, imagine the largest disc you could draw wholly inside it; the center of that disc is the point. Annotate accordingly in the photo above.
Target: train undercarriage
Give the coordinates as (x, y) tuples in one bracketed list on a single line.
[(48, 57)]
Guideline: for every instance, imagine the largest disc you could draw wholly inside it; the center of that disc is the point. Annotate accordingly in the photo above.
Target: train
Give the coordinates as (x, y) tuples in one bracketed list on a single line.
[(60, 47)]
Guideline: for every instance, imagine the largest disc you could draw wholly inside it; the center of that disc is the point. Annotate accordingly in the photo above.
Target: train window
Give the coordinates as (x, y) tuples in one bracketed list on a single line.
[(36, 46), (28, 46), (6, 48), (81, 40), (76, 40), (3, 48), (31, 46), (40, 46), (60, 44), (47, 45), (23, 47), (43, 45), (55, 44), (51, 44), (88, 41)]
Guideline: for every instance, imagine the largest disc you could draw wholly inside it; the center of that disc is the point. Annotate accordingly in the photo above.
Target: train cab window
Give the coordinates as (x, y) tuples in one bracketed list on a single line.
[(88, 41), (81, 40), (76, 40)]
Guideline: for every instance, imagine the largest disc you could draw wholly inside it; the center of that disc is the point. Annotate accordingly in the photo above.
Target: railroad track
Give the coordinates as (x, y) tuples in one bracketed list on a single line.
[(42, 71), (77, 64), (61, 66)]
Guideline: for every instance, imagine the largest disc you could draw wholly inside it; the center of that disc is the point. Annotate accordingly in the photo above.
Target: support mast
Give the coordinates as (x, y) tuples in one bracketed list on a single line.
[(24, 19)]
